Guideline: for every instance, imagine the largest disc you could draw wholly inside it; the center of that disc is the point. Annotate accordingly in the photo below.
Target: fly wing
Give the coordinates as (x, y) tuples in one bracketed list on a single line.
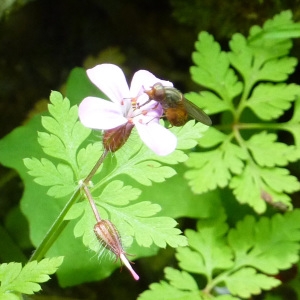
[(196, 112)]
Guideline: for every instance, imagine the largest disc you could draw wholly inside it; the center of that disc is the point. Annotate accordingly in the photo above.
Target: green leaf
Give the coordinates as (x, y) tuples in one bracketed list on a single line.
[(270, 101), (188, 135), (140, 163), (214, 168), (212, 69), (281, 27), (165, 291), (137, 220), (277, 69), (117, 194), (212, 138), (226, 297), (87, 158), (263, 144), (64, 137), (15, 279), (66, 132), (149, 171), (234, 257), (293, 126), (181, 279), (247, 282), (210, 102), (261, 62), (36, 203), (269, 245), (207, 250), (255, 182), (59, 178)]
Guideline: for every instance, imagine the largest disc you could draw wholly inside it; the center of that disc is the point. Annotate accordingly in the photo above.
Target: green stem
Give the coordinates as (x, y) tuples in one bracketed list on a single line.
[(55, 230), (59, 224)]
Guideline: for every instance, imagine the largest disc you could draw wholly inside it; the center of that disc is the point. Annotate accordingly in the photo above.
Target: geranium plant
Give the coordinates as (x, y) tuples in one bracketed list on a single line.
[(102, 171)]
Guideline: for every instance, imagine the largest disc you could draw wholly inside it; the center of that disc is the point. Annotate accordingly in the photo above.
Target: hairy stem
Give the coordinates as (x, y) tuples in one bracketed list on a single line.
[(92, 202), (95, 168)]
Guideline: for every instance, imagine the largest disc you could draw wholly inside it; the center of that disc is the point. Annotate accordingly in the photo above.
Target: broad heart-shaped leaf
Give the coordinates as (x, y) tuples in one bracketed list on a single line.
[(256, 185), (269, 245), (269, 101), (207, 251), (15, 279), (262, 145), (212, 69), (247, 282), (214, 168)]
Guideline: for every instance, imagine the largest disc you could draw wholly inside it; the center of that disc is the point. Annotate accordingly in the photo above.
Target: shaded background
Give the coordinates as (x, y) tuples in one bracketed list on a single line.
[(42, 40)]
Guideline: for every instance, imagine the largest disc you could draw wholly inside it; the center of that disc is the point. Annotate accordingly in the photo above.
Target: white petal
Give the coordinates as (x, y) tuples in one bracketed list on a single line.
[(97, 113), (143, 80), (111, 80), (159, 139)]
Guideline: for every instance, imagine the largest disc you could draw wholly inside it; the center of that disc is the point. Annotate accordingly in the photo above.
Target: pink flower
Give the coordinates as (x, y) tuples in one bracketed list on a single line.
[(127, 106)]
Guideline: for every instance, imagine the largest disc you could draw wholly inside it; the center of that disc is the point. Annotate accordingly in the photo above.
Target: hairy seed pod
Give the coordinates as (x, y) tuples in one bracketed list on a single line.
[(109, 237)]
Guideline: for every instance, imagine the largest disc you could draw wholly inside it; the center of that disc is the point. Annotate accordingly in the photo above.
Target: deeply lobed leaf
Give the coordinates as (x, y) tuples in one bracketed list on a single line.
[(263, 144), (15, 279), (247, 282), (214, 168), (269, 245), (212, 69), (270, 101)]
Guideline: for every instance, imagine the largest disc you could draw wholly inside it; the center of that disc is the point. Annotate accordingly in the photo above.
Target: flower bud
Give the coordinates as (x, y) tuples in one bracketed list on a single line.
[(115, 138), (109, 237)]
